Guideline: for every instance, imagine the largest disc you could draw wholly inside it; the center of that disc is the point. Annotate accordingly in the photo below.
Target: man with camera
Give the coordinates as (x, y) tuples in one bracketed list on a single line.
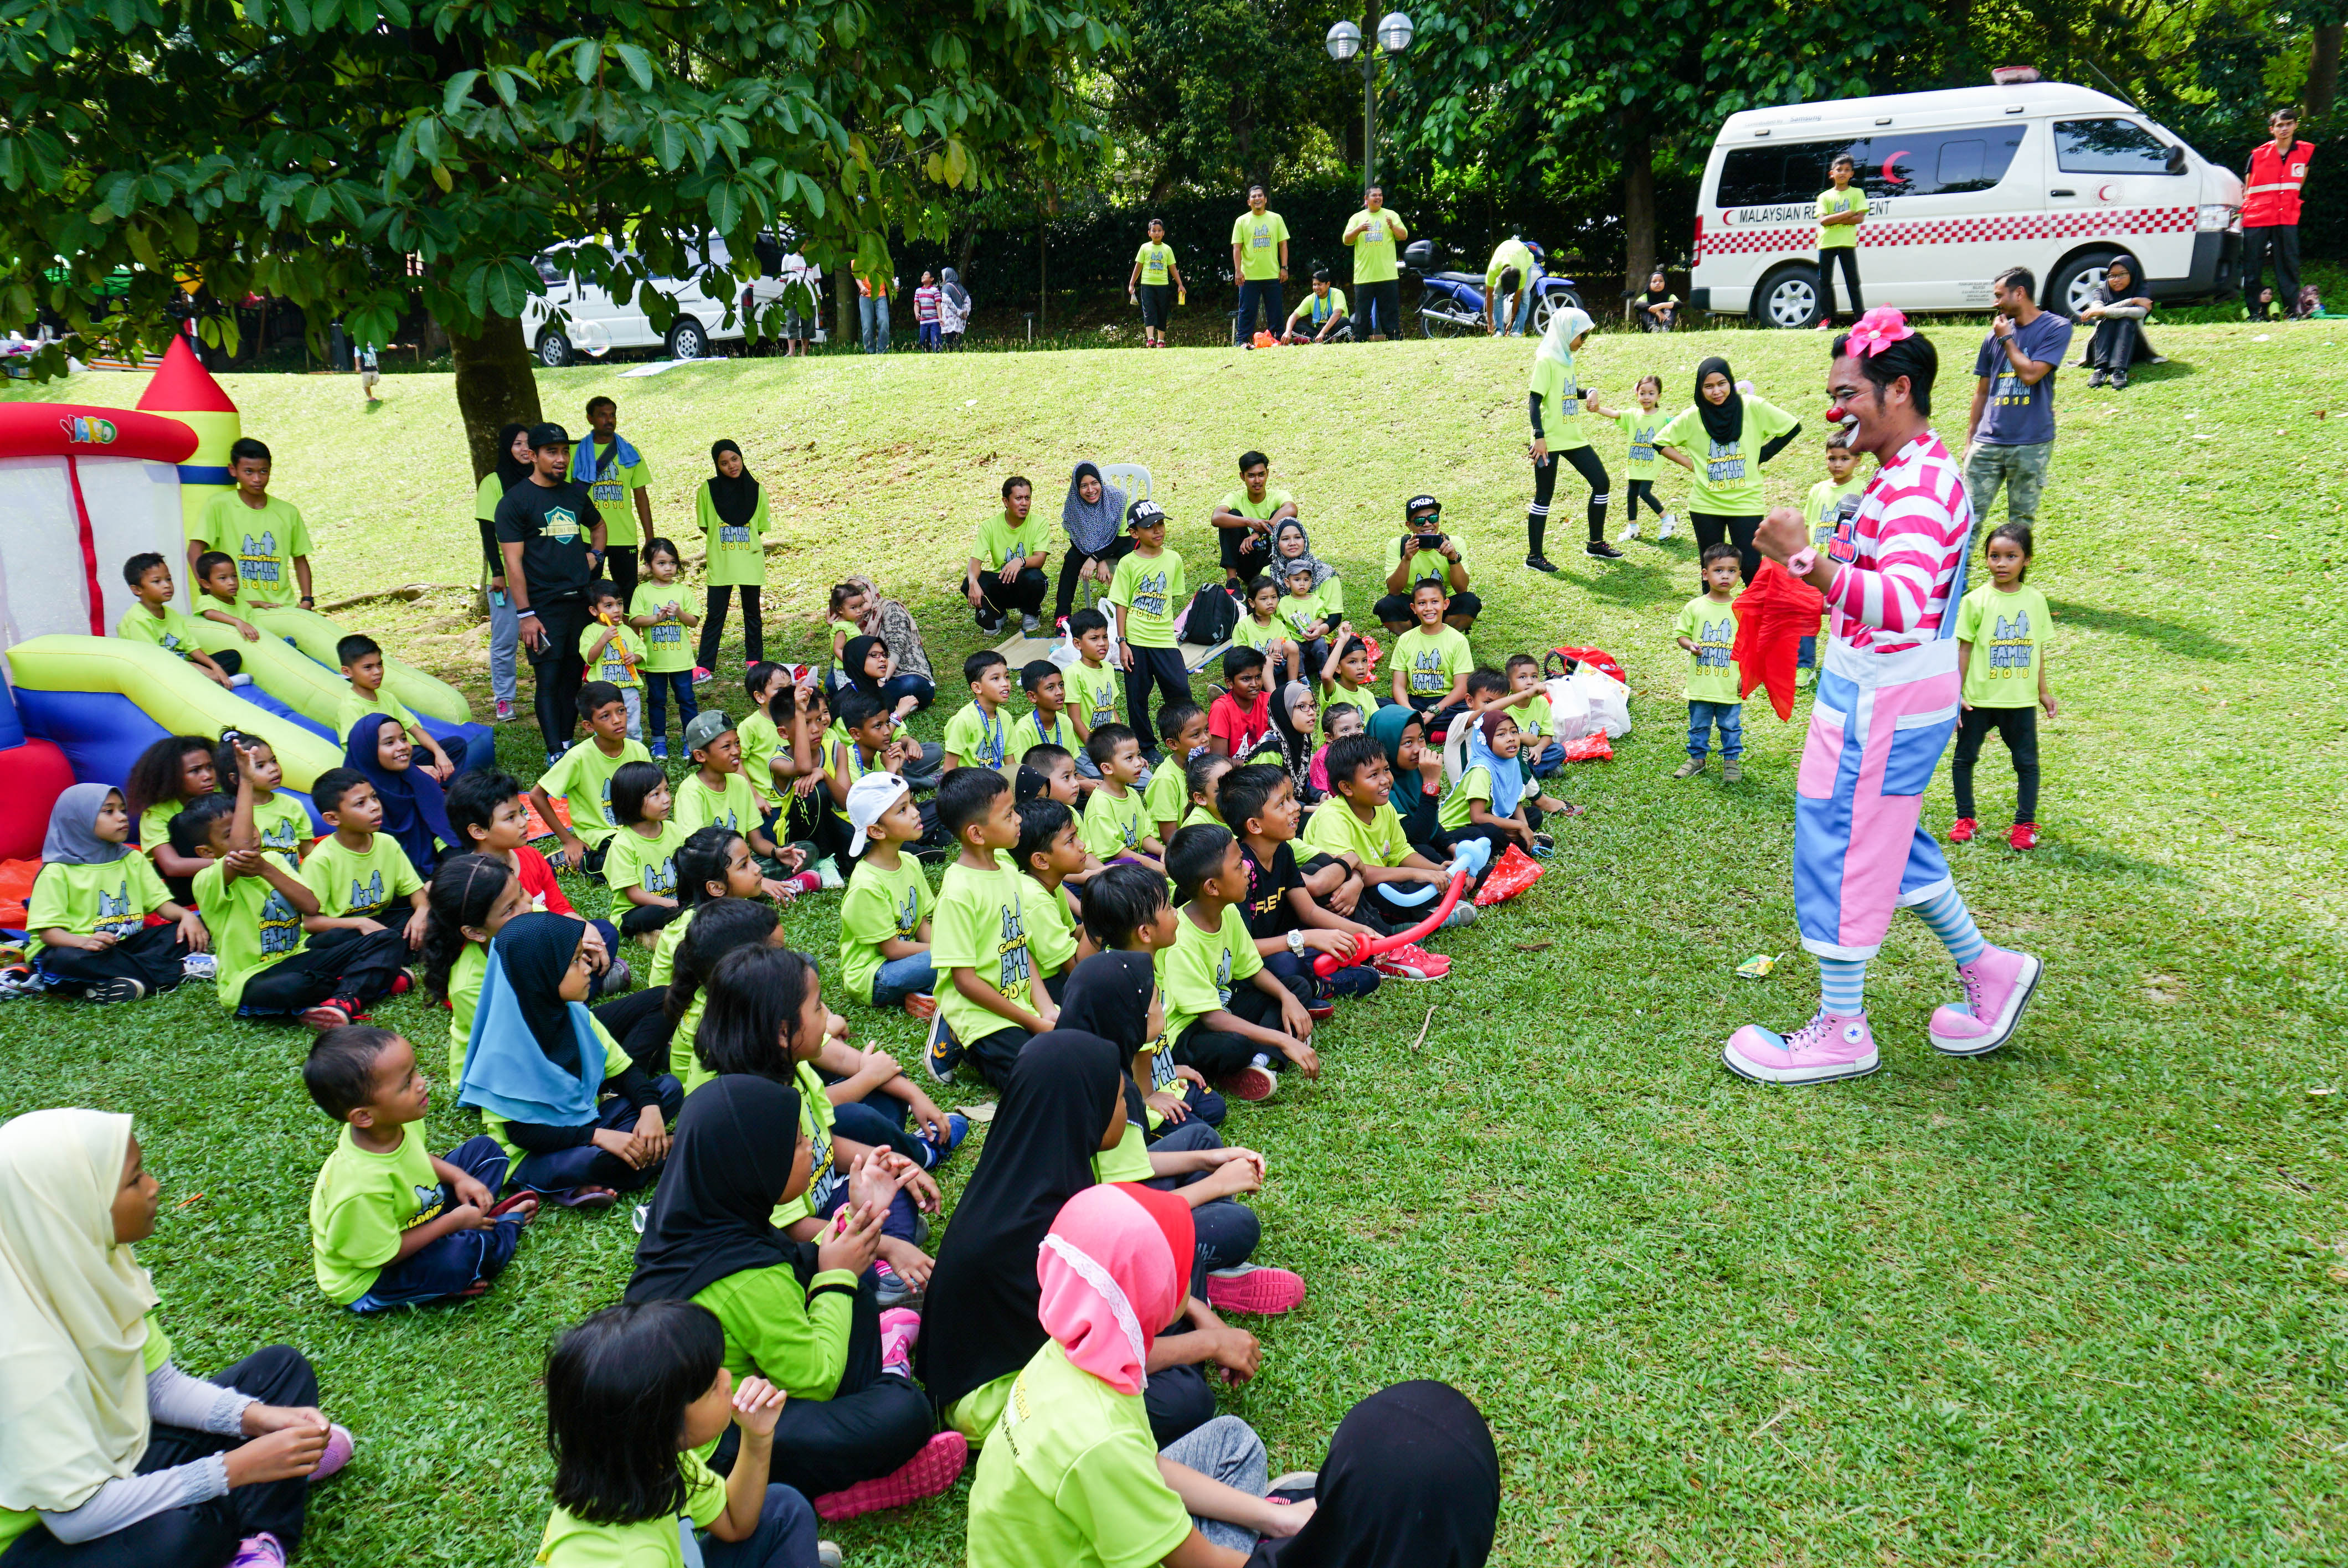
[(1423, 550)]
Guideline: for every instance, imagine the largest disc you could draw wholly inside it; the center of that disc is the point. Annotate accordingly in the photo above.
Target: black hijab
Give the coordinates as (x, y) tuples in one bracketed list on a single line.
[(852, 659), (1412, 1481), (535, 950), (980, 1321), (2106, 294), (1725, 421), (511, 471), (736, 499), (726, 1170), (1108, 995)]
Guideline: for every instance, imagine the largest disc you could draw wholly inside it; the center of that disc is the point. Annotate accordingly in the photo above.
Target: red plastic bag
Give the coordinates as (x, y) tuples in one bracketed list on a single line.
[(1515, 871), (1265, 340), (1593, 747), (1596, 658)]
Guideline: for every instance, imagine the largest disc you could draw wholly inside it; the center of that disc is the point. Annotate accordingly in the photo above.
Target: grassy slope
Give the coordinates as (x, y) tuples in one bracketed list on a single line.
[(2080, 1302)]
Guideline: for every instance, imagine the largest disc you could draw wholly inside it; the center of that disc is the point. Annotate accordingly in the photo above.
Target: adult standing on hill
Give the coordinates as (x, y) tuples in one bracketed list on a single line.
[(551, 537), (1259, 263), (2271, 185), (2010, 434), (619, 481), (1373, 232)]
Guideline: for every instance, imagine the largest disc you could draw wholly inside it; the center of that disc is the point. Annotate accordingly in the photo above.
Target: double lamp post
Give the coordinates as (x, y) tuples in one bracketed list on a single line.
[(1344, 43)]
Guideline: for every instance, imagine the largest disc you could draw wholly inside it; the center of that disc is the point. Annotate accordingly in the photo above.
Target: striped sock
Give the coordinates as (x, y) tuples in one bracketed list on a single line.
[(1842, 986), (1953, 924)]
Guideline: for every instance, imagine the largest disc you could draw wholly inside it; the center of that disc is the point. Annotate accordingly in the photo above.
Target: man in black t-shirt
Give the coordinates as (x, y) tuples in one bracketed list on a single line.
[(551, 537)]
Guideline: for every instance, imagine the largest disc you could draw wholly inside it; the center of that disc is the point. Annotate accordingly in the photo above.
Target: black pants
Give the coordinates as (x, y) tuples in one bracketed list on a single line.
[(360, 965), (713, 625), (585, 1165), (636, 1021), (1394, 608), (1643, 490), (2018, 727), (1024, 593), (1846, 256), (873, 1423), (2115, 343), (150, 955), (1381, 306), (1065, 597), (640, 919), (230, 661), (557, 669), (1153, 668), (2281, 242), (1272, 295), (1225, 1230), (204, 1535), (1712, 529), (620, 566), (1585, 463), (1217, 1054)]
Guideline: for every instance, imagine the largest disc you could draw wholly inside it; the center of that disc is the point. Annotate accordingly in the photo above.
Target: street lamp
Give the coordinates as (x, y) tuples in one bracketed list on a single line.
[(1344, 43)]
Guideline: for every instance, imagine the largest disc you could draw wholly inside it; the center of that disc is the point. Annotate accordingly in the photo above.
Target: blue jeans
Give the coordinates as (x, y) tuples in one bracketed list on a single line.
[(901, 977), (584, 1165), (1702, 716), (658, 685), (1524, 312), (1552, 761), (873, 313), (1273, 296), (446, 1268)]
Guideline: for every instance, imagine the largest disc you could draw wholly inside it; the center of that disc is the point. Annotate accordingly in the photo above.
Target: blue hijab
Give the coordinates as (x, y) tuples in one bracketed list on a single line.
[(1507, 779), (533, 1057), (413, 811)]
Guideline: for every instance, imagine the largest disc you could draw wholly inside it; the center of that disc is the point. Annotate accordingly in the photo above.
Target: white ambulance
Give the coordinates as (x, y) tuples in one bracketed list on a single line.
[(1961, 185)]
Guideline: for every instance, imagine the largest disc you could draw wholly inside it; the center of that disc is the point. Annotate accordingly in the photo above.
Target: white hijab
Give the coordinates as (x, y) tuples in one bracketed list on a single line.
[(1564, 326), (73, 1312)]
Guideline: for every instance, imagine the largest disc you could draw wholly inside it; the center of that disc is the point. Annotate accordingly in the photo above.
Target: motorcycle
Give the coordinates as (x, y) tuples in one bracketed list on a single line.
[(1451, 304)]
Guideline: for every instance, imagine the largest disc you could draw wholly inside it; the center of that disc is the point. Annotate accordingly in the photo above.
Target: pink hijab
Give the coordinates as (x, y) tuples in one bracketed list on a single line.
[(1115, 1266)]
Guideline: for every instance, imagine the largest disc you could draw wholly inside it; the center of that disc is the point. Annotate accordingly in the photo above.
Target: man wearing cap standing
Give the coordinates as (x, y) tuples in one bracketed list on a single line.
[(551, 537), (2271, 185)]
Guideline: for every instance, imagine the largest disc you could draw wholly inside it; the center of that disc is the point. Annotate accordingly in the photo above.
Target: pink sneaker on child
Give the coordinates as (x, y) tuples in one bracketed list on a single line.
[(262, 1551), (1998, 987), (339, 1447), (1254, 1289), (929, 1472), (900, 1330), (1827, 1048)]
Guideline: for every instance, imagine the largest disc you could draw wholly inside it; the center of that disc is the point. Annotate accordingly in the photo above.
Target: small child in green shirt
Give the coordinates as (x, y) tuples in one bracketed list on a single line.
[(1706, 628), (359, 872), (611, 653), (1050, 723), (158, 620), (1306, 620), (884, 916), (389, 1224), (1167, 797), (1236, 1036), (362, 660), (167, 775), (717, 794), (640, 859), (1049, 852), (90, 900), (219, 593), (979, 736), (1640, 462), (1115, 827), (1822, 510), (1091, 685), (992, 999)]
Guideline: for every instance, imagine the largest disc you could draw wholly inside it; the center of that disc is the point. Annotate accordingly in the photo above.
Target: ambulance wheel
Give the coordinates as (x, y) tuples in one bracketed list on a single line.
[(2073, 287), (1788, 298)]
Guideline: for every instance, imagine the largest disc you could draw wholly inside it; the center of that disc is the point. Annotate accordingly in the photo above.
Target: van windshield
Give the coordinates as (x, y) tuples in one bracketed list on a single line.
[(1910, 163)]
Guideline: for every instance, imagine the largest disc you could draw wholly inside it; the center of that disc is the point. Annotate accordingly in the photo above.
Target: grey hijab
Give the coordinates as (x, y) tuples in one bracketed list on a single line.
[(1092, 529), (73, 837)]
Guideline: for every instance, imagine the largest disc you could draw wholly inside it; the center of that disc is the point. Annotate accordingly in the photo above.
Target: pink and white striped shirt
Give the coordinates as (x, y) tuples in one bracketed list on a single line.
[(1895, 562)]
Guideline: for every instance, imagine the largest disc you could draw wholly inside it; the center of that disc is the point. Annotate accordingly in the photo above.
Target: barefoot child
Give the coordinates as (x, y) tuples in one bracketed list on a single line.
[(583, 778), (1218, 1026), (1706, 628), (640, 860), (661, 617), (362, 660), (1115, 828), (609, 650), (992, 1000), (884, 916), (2004, 681), (358, 873), (90, 900)]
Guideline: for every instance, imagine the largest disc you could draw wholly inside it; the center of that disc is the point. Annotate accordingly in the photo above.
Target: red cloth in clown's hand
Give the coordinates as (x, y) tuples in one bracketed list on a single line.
[(1774, 613)]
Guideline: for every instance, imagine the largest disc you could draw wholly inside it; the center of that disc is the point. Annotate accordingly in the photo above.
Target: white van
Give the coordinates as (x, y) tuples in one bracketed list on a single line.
[(574, 318), (1961, 185)]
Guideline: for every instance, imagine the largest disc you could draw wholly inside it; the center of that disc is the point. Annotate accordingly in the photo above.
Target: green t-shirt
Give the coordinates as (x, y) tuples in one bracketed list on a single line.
[(1069, 1477), (777, 1330), (1511, 252), (667, 649), (361, 1204), (613, 664), (1534, 719), (1111, 827), (1199, 816), (878, 906), (738, 551), (816, 1116), (355, 706), (253, 925), (1639, 427), (1373, 247), (1093, 692), (1252, 633), (281, 828), (1299, 613), (1475, 784), (366, 883), (1166, 798), (2008, 633), (1423, 563), (996, 540), (1028, 731), (1819, 507), (114, 897), (155, 823), (979, 924), (1562, 425), (761, 743), (631, 860), (1197, 973), (648, 1544), (264, 540), (1333, 828), (1317, 308), (1727, 478), (979, 738), (1258, 236), (1051, 929), (174, 631), (1360, 697), (1432, 663), (465, 976), (583, 777), (1273, 500), (1153, 591), (1832, 203), (1712, 668), (1129, 1162), (1154, 261), (614, 491), (698, 806)]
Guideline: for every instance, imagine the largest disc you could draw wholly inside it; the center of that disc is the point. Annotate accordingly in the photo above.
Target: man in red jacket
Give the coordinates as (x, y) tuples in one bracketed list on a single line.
[(2271, 185)]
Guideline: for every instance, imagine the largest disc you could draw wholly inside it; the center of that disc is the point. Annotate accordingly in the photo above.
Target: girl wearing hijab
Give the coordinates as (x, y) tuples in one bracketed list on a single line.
[(1412, 1481), (1490, 801), (954, 309), (415, 812), (1737, 433), (1072, 1472), (110, 1456), (731, 508), (893, 623), (91, 900), (864, 666), (1294, 716), (576, 1117), (799, 1313), (1094, 515), (1554, 403), (512, 467), (2117, 308)]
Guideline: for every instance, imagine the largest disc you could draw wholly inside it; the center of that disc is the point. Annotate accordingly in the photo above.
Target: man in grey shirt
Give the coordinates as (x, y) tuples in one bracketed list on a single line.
[(2010, 434)]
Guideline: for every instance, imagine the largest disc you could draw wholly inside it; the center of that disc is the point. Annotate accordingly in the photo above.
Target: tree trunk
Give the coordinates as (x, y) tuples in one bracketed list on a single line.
[(2323, 70), (844, 297), (1638, 200), (496, 385)]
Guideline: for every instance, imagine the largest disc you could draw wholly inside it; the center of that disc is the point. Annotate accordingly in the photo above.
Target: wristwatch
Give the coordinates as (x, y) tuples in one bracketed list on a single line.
[(1296, 943), (306, 599), (1800, 562)]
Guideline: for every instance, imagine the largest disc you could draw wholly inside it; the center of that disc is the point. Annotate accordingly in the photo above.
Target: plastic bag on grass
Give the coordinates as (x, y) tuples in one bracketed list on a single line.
[(1514, 872)]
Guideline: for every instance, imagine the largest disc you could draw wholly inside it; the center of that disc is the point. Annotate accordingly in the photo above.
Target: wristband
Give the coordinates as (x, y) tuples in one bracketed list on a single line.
[(307, 599), (526, 610)]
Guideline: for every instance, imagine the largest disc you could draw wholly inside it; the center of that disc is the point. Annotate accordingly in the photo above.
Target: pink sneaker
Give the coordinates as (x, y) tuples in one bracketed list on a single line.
[(1250, 1084), (900, 1330), (1998, 987), (932, 1471), (1411, 962), (262, 1551), (1257, 1291), (1827, 1048), (339, 1444)]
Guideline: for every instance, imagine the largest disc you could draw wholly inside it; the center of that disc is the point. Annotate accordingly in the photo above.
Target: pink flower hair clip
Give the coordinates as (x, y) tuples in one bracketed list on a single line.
[(1878, 329)]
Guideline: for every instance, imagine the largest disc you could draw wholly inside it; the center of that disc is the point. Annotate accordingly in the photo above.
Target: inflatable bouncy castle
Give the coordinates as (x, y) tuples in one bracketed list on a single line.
[(84, 490)]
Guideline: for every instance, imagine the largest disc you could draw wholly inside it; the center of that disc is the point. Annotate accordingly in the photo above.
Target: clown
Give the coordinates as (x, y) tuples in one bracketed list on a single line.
[(1886, 705)]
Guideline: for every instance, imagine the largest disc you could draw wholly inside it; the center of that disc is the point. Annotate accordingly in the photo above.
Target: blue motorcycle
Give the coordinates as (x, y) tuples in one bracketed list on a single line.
[(1451, 304)]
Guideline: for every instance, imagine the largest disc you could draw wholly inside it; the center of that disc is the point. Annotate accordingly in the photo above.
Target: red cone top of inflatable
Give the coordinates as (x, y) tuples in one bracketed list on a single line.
[(183, 384)]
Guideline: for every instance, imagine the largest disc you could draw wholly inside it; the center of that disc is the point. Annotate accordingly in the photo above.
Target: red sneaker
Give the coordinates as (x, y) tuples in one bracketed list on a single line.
[(929, 1472), (1252, 1288), (1320, 1012), (2023, 836), (1961, 831), (325, 1016), (1250, 1084), (403, 982)]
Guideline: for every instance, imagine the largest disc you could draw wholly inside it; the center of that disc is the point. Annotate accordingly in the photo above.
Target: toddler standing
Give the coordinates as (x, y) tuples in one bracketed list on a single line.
[(2004, 683), (1706, 628)]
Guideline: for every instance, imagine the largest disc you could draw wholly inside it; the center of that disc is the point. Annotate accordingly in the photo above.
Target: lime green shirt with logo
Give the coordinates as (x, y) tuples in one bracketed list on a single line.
[(1639, 427), (1153, 589), (631, 860), (1029, 731), (1373, 247), (264, 540), (1727, 478), (734, 807), (614, 491), (878, 906), (1712, 668), (979, 924), (761, 743), (1431, 663), (1093, 691), (613, 664), (1258, 236), (1562, 425), (1167, 796), (253, 925), (571, 1543), (356, 705), (174, 631), (1198, 972), (668, 650), (996, 540), (360, 1206), (1511, 252), (1155, 262), (1298, 611), (1051, 929), (736, 551), (1128, 1160), (978, 738), (114, 898), (1456, 809), (583, 777), (365, 882), (1333, 829), (1423, 563), (1819, 507), (1111, 827), (2008, 633), (1833, 203)]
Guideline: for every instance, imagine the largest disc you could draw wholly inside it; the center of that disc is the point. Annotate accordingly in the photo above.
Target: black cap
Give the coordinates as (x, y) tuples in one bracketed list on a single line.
[(1418, 503), (542, 435), (1144, 513)]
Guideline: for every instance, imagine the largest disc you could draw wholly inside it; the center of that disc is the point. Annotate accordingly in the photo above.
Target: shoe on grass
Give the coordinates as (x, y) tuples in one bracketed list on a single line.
[(1250, 1084), (1961, 831), (1630, 532), (659, 750), (1829, 1048), (1462, 914), (1252, 1288), (262, 1551), (1030, 625), (1667, 527), (199, 967), (1601, 549), (504, 712), (2097, 377), (114, 989), (340, 1445), (1688, 769), (896, 1291), (703, 675), (932, 1471), (1732, 770), (2023, 836), (2119, 381), (1998, 987), (1541, 563), (1411, 962), (325, 1016)]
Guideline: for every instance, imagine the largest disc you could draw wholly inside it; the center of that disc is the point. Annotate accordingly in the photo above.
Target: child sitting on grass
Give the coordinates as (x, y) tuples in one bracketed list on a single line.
[(470, 899), (414, 812), (662, 614), (90, 900), (1359, 826), (763, 733), (358, 873), (1346, 677), (633, 1396), (992, 1000), (390, 1225), (1337, 722), (1206, 771), (1091, 684), (1048, 853), (1487, 802), (582, 777), (640, 859), (884, 916), (610, 650), (278, 820), (1287, 922), (1168, 798), (1431, 661), (1240, 720), (156, 619), (1114, 828), (361, 657), (1542, 751), (490, 813), (717, 794), (1706, 628), (1048, 724), (872, 746), (1260, 626), (979, 736), (1306, 618), (1217, 1025), (1128, 913)]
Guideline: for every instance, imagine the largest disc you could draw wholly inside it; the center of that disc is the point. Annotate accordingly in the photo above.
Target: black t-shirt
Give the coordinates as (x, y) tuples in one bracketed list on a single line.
[(554, 524), (1267, 911)]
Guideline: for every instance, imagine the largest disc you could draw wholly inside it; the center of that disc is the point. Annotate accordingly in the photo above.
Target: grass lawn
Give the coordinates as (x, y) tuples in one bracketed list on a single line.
[(2083, 1301)]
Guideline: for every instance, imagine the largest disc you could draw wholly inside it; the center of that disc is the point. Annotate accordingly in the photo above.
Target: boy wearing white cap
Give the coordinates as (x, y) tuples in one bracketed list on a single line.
[(884, 916)]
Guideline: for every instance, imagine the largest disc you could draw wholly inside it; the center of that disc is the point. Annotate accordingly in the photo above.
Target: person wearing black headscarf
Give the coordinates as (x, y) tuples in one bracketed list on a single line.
[(1412, 1481), (510, 466), (732, 510), (1738, 433), (2117, 308), (803, 1316), (980, 1327), (414, 811)]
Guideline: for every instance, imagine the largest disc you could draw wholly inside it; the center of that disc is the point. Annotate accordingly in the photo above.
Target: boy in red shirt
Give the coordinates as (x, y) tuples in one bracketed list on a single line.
[(1241, 719)]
